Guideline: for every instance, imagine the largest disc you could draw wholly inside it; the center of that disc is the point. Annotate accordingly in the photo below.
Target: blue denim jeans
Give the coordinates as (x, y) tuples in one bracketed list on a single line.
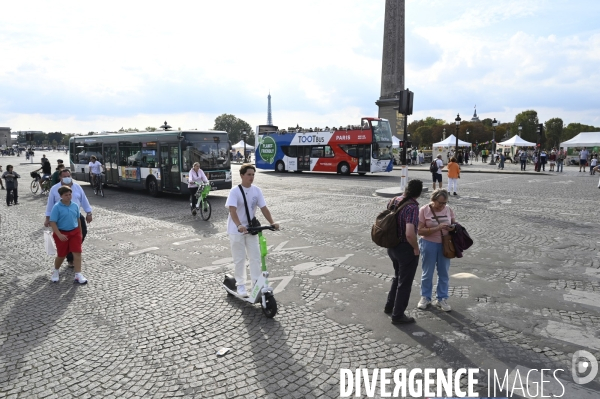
[(432, 258), (559, 165)]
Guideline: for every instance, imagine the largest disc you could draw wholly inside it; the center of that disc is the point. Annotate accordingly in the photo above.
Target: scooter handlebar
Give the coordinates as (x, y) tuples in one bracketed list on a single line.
[(260, 228)]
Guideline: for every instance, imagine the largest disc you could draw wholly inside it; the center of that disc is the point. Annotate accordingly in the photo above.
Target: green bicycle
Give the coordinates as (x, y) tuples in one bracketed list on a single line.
[(203, 205)]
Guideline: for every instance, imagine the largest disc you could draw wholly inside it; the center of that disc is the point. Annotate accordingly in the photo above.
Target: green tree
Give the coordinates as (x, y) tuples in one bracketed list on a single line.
[(529, 121), (431, 121), (150, 129), (573, 129), (424, 136), (553, 131), (234, 127)]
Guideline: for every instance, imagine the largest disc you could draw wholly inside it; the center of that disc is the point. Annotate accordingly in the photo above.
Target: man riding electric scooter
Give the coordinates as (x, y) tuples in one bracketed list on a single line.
[(240, 216)]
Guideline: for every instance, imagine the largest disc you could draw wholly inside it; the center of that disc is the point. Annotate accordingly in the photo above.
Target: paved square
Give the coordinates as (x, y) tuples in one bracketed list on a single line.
[(153, 315)]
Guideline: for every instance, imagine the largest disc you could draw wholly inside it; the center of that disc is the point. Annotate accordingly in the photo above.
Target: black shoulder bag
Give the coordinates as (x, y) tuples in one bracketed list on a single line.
[(254, 222)]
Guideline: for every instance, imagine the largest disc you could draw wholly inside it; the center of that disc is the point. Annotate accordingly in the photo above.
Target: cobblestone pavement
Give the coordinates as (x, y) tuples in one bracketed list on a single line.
[(153, 316)]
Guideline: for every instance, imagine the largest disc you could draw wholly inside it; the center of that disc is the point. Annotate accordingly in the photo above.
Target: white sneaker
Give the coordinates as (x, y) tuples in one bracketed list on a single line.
[(443, 305), (55, 276), (80, 279), (423, 303), (241, 290)]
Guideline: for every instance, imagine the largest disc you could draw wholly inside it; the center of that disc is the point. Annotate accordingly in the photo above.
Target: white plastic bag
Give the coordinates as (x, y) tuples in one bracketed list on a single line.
[(49, 242)]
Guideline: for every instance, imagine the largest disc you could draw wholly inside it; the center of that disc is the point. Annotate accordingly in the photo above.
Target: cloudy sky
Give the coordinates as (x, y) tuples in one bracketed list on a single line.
[(82, 66)]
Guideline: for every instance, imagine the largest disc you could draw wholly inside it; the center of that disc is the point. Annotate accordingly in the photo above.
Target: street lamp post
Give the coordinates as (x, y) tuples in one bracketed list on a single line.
[(457, 120), (493, 160), (244, 136), (444, 134), (470, 146), (520, 129), (538, 164)]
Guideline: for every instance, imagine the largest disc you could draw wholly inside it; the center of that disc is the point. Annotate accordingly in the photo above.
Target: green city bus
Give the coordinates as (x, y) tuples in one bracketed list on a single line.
[(155, 161)]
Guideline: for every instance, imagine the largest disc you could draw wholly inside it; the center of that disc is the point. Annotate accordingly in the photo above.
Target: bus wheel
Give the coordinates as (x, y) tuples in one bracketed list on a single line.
[(280, 167), (152, 186), (344, 168), (362, 173)]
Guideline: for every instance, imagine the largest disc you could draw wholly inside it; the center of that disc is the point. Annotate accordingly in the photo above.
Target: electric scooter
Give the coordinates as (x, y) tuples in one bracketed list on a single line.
[(261, 292)]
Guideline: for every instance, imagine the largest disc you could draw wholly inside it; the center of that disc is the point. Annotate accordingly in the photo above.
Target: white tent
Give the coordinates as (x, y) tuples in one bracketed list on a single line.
[(587, 139), (517, 141), (240, 146), (395, 142), (451, 142)]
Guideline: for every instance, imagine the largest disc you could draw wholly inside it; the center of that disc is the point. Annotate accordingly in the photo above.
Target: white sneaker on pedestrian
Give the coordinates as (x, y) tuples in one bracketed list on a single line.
[(443, 305), (423, 303), (241, 290), (80, 279), (55, 276)]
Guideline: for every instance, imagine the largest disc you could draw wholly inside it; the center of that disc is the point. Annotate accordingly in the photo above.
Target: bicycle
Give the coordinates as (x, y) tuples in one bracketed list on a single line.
[(97, 183), (35, 184), (203, 205)]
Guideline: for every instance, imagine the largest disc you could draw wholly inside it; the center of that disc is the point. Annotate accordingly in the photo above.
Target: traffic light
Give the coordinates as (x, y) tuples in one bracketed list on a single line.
[(408, 144), (405, 102), (401, 143)]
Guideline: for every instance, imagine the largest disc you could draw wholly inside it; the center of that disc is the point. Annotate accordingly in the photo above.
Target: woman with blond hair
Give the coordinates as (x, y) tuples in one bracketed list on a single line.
[(453, 175), (195, 177), (436, 219)]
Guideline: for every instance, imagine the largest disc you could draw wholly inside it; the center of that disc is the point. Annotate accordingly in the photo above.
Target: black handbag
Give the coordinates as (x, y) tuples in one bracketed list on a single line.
[(254, 222)]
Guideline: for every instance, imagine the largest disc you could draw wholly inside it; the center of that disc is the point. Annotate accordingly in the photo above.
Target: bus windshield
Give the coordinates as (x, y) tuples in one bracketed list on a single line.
[(209, 150), (382, 139)]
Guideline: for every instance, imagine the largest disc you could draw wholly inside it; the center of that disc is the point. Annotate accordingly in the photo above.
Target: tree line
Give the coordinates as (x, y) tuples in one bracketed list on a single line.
[(425, 132), (233, 125)]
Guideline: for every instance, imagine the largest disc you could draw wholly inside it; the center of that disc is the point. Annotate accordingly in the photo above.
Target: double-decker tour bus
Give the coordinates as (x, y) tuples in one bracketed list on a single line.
[(364, 148), (156, 161)]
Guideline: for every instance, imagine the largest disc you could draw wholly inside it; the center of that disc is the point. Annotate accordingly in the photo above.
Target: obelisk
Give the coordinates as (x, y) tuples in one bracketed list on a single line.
[(392, 65)]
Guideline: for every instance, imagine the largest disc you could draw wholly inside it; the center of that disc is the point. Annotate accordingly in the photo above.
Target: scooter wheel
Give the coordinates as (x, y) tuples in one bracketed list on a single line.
[(271, 306)]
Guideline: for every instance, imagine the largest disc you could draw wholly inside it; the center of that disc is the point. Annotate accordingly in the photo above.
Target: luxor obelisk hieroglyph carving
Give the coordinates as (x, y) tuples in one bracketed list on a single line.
[(392, 66)]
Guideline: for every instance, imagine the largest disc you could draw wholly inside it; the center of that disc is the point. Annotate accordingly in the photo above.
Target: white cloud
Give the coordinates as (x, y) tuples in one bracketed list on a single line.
[(96, 66)]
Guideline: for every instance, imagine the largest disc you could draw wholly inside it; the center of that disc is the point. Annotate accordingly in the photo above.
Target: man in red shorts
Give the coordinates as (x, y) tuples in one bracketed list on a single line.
[(66, 225)]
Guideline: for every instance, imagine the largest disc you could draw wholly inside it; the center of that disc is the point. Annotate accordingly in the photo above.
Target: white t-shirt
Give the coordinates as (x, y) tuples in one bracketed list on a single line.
[(95, 167), (254, 197), (440, 165)]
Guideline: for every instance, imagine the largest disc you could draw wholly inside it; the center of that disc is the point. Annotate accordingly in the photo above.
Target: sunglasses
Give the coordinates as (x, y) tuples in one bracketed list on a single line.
[(441, 203)]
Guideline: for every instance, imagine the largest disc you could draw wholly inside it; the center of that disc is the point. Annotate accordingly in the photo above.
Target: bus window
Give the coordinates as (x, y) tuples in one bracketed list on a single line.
[(317, 152), (350, 150), (329, 152), (290, 151)]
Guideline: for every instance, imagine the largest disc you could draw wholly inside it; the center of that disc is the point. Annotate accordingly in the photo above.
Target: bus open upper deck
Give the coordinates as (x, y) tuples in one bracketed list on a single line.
[(364, 148), (157, 161)]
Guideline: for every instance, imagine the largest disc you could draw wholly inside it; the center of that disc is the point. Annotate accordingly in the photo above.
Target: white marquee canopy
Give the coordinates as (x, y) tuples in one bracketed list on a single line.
[(517, 141), (584, 139), (450, 141), (240, 146)]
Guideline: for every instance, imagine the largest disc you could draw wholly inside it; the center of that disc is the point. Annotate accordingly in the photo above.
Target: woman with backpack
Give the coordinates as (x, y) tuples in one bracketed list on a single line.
[(405, 255)]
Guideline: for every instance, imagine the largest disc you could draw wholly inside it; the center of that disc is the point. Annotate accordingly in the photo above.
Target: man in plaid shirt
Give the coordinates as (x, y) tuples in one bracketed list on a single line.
[(404, 256)]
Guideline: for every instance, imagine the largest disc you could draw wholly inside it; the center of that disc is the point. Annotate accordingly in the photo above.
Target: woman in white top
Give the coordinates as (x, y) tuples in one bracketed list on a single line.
[(196, 176)]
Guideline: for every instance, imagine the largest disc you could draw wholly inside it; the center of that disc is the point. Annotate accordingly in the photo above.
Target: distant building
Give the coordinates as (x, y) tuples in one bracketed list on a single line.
[(5, 136), (475, 118)]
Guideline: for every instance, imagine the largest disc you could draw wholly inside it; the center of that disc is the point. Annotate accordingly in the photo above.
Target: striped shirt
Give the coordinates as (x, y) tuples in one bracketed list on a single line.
[(408, 214)]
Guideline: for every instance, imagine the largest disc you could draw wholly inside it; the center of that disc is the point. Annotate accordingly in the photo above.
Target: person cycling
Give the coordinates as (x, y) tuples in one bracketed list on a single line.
[(196, 176), (95, 170), (46, 171)]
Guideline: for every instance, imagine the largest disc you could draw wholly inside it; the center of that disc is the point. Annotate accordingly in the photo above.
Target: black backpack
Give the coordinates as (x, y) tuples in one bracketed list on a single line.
[(433, 168), (385, 229)]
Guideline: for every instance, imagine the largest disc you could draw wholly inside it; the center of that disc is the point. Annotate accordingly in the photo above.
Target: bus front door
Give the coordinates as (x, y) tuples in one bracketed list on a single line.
[(111, 164), (304, 158), (169, 168), (364, 158)]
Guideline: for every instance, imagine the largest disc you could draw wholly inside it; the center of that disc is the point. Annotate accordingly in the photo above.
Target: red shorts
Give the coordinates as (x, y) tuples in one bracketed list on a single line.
[(73, 244)]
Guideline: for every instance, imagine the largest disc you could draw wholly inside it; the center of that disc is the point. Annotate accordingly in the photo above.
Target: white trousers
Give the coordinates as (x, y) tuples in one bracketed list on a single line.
[(452, 185), (242, 244)]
